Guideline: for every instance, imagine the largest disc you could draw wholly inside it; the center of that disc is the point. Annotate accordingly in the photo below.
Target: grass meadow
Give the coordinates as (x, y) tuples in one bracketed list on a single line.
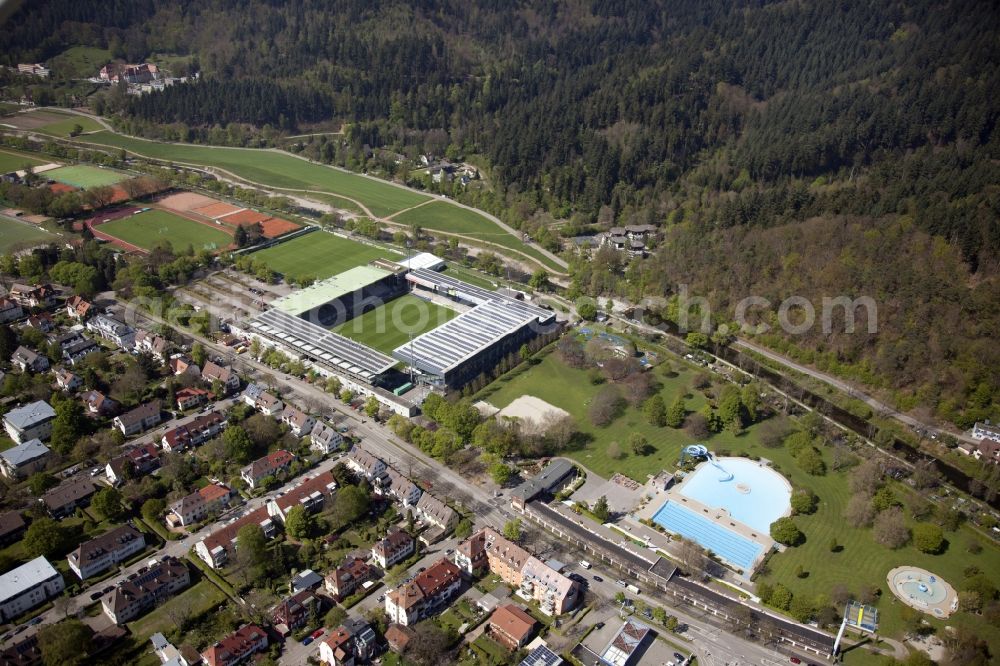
[(11, 160), (19, 234)]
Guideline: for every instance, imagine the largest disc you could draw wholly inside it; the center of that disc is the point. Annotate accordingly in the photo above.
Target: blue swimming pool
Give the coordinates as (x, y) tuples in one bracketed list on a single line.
[(753, 494), (738, 550)]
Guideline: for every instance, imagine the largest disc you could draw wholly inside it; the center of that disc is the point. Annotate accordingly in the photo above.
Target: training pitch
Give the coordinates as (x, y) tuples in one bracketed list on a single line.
[(147, 229), (83, 176), (319, 255)]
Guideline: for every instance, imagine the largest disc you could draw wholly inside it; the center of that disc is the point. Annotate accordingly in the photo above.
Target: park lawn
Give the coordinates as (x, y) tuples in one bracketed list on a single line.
[(863, 561), (11, 160), (80, 61), (197, 599), (447, 217), (62, 128), (84, 176), (15, 234), (319, 255), (390, 326), (149, 228), (569, 388), (273, 168)]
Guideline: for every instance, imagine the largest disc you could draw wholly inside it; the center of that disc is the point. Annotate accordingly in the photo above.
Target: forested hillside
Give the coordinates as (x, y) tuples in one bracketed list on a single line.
[(820, 148)]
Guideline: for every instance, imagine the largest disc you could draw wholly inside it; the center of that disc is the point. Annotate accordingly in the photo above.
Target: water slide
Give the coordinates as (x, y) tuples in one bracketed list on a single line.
[(726, 476)]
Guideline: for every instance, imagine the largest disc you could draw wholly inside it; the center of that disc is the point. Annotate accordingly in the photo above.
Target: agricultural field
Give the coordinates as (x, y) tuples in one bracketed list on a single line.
[(147, 229), (390, 326), (80, 62), (14, 235), (11, 160), (273, 168), (62, 128), (319, 255), (84, 176)]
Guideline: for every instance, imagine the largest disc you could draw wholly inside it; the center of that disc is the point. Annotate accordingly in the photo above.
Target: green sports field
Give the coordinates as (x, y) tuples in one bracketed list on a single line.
[(83, 176), (273, 168), (18, 234), (12, 161), (147, 229), (390, 326), (319, 255)]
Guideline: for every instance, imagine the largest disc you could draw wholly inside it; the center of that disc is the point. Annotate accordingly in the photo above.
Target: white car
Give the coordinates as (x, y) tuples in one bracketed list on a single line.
[(585, 564)]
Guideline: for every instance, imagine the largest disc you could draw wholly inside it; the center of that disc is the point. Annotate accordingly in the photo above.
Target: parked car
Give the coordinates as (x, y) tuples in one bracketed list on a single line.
[(317, 633), (598, 579), (795, 660), (585, 564), (621, 583), (35, 620), (307, 640), (678, 656), (94, 596)]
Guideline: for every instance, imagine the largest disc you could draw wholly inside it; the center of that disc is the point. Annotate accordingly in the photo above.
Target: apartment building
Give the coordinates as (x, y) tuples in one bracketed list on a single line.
[(141, 594), (197, 506), (393, 549), (27, 586), (217, 548), (140, 419), (31, 421), (94, 556), (425, 595), (272, 465)]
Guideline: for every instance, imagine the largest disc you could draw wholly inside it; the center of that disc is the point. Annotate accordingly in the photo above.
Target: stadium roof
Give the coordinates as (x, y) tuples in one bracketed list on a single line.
[(422, 260), (320, 344), (330, 289), (472, 294), (445, 347)]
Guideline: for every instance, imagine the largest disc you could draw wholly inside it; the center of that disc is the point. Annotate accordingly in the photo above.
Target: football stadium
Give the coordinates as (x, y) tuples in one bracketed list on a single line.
[(488, 326)]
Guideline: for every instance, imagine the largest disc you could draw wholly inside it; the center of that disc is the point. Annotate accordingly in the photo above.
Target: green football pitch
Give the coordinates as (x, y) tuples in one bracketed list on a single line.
[(319, 255), (149, 228), (83, 176), (390, 326), (11, 161)]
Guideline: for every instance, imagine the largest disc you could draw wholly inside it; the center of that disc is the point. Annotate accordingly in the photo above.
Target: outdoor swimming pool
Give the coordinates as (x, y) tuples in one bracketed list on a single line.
[(754, 495), (736, 549)]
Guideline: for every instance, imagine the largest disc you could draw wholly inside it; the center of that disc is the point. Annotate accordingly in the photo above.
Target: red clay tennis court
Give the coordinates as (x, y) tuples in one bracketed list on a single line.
[(273, 227), (185, 201), (244, 218), (215, 210)]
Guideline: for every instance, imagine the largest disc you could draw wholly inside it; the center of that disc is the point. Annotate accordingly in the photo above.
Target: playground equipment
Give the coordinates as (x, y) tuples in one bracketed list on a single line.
[(858, 616), (696, 451)]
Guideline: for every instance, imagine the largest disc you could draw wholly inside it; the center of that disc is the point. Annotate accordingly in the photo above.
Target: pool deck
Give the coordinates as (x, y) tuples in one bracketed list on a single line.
[(658, 496), (941, 609)]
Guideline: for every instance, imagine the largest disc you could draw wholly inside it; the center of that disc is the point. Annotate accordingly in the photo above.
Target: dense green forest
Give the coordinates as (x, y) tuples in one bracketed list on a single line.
[(811, 148)]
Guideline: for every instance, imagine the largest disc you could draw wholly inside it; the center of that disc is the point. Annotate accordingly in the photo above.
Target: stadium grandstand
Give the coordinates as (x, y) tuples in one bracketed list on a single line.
[(460, 350)]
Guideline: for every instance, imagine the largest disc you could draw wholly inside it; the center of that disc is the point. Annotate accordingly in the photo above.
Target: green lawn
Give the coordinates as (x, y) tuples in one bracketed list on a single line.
[(471, 277), (319, 255), (443, 216), (198, 599), (80, 61), (570, 389), (388, 327), (84, 176), (149, 228), (17, 234), (11, 160), (62, 128), (273, 168)]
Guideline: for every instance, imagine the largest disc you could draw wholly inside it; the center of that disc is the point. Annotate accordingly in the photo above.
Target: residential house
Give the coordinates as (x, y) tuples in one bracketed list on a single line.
[(311, 495), (140, 419), (33, 296), (200, 504), (986, 430), (151, 343), (98, 404), (337, 649), (307, 579), (182, 365), (297, 421), (225, 375), (12, 528), (324, 438), (427, 593), (22, 650), (398, 637), (434, 512), (10, 310), (69, 338), (77, 351), (272, 465), (64, 499), (66, 380), (344, 580), (28, 586), (28, 360), (78, 308), (640, 231), (394, 548), (113, 330), (94, 556), (487, 549), (237, 647), (398, 486), (139, 595), (169, 655), (23, 460), (134, 463), (257, 397), (542, 655), (365, 463), (191, 397), (293, 612), (219, 546), (33, 69), (511, 626), (31, 421), (195, 432), (41, 322)]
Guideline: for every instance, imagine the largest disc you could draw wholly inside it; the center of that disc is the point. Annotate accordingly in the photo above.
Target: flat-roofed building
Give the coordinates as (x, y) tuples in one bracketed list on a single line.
[(30, 421), (25, 459), (27, 586)]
